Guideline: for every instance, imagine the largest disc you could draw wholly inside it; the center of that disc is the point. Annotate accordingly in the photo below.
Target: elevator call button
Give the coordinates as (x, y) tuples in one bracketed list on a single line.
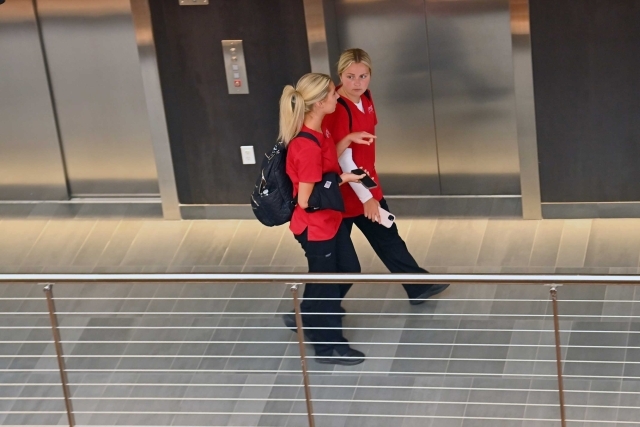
[(235, 67)]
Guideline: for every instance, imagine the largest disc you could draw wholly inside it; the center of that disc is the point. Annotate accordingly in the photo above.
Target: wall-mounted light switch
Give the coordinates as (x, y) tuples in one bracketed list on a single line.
[(248, 156)]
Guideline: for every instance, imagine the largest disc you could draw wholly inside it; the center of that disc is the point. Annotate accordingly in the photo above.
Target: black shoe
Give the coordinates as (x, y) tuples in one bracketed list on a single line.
[(290, 321), (349, 358), (431, 291)]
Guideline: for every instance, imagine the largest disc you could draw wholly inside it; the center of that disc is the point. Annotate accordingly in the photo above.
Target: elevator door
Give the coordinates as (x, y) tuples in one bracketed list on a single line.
[(443, 86), (394, 33), (97, 89), (31, 166)]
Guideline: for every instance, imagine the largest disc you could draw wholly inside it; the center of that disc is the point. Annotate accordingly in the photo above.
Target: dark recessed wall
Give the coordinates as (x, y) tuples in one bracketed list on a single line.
[(206, 125), (586, 68)]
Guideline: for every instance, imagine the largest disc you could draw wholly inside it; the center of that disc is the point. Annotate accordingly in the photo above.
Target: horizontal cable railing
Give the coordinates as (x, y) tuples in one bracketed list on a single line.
[(177, 349)]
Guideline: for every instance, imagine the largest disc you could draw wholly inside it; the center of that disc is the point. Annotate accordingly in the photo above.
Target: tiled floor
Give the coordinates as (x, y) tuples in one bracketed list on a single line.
[(476, 356)]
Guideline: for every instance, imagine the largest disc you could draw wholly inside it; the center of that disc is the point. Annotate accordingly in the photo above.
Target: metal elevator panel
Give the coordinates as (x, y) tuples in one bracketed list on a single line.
[(474, 97), (394, 33), (99, 97), (235, 67), (30, 161)]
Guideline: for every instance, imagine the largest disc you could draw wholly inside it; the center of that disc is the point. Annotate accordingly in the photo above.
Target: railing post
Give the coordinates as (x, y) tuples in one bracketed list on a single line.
[(48, 290), (303, 357), (556, 327)]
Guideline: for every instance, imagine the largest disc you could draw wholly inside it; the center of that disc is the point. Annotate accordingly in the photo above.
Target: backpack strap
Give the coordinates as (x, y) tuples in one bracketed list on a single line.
[(346, 107), (342, 102), (307, 135)]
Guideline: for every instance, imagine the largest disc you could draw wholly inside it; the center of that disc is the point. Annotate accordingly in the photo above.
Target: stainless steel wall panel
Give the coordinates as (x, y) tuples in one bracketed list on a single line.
[(31, 165), (155, 108), (473, 91), (394, 33), (317, 36), (525, 110), (98, 91)]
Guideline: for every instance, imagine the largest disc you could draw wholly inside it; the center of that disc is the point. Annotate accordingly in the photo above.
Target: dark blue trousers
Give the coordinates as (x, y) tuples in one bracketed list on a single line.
[(336, 255), (389, 246)]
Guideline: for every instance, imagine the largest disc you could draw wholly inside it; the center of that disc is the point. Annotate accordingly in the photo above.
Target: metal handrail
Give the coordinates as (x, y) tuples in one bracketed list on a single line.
[(295, 279), (522, 279)]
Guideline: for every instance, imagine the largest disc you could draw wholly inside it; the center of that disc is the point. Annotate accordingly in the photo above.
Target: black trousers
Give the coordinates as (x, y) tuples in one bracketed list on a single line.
[(336, 255), (389, 246)]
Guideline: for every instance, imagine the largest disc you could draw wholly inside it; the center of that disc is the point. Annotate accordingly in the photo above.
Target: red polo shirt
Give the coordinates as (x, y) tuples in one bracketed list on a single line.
[(363, 155), (307, 162)]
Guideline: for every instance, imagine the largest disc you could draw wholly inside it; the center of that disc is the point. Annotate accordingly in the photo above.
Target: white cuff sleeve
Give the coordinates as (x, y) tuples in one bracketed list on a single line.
[(347, 165)]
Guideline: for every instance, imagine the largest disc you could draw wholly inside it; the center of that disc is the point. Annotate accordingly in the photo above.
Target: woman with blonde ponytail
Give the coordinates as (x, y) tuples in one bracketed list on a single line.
[(325, 240)]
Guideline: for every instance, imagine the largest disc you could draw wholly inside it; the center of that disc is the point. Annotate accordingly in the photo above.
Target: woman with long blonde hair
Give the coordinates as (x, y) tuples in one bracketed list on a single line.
[(311, 153)]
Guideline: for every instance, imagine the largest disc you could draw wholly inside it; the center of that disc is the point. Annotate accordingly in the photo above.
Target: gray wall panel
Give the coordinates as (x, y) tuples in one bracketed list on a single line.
[(473, 89), (98, 91), (394, 33), (206, 125), (586, 57), (30, 161)]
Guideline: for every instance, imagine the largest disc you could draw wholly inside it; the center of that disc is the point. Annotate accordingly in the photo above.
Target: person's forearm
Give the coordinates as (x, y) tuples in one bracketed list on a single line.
[(347, 165), (304, 192), (343, 145)]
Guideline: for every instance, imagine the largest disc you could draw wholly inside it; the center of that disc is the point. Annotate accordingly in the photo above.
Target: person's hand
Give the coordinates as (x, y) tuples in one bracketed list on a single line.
[(351, 177), (371, 210), (362, 138), (365, 170)]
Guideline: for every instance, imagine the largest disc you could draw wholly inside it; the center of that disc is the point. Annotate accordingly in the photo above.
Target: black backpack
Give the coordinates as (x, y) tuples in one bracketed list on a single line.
[(344, 104), (272, 198)]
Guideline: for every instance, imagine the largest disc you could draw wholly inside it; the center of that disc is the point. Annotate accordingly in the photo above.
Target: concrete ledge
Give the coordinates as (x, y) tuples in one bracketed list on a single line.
[(95, 208), (408, 207), (456, 206), (591, 210)]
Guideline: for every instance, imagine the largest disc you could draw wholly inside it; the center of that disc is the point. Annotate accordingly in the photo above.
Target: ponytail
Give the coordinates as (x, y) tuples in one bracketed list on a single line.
[(296, 102), (292, 111)]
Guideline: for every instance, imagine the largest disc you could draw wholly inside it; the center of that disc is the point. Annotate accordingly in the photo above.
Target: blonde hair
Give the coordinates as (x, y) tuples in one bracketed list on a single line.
[(295, 102), (353, 56)]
